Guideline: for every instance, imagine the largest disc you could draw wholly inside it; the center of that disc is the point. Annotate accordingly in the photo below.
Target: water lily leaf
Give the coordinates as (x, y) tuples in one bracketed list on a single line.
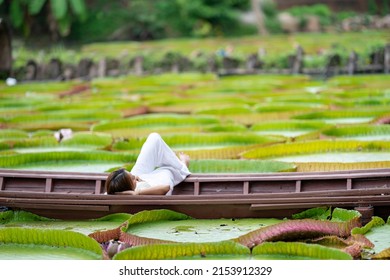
[(343, 215), (238, 166), (24, 219), (146, 217), (334, 166), (116, 217), (155, 215), (385, 254), (297, 250), (380, 237), (27, 243), (8, 217), (183, 251), (318, 213), (297, 230), (198, 230), (280, 151), (375, 222), (134, 240)]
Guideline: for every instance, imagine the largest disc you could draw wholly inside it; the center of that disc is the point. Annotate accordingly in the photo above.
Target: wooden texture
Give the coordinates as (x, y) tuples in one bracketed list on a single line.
[(73, 195)]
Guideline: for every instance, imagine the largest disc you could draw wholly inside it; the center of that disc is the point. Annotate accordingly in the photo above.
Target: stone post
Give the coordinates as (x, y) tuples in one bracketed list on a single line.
[(352, 63), (297, 66), (387, 59)]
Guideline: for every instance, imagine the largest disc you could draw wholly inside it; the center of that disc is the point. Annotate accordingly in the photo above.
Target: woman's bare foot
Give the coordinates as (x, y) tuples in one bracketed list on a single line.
[(184, 158)]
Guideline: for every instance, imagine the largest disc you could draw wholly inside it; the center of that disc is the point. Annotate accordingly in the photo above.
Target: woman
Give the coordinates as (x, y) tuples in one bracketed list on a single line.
[(156, 171)]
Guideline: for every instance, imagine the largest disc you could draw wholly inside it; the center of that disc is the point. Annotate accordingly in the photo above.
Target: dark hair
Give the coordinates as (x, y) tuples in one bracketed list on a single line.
[(119, 181)]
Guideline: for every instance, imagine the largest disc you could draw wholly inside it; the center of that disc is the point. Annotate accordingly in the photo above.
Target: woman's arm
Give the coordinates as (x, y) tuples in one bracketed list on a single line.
[(156, 190)]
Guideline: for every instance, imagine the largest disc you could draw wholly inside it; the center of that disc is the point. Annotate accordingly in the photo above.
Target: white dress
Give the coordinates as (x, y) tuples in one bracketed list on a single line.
[(158, 165)]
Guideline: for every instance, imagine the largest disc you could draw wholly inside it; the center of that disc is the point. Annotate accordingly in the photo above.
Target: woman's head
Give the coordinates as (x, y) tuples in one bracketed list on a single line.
[(120, 180)]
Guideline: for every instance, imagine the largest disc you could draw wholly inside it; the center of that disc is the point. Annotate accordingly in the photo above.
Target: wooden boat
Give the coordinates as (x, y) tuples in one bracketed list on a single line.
[(70, 195)]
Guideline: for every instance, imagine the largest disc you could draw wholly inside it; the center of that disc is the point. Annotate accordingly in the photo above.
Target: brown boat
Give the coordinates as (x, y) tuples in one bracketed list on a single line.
[(70, 195)]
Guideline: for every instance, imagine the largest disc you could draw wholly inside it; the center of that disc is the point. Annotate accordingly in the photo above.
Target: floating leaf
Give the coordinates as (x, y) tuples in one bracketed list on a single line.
[(315, 147), (375, 222), (297, 250), (155, 215), (25, 243), (318, 213), (8, 217), (240, 166), (383, 255), (147, 217), (297, 230), (183, 251)]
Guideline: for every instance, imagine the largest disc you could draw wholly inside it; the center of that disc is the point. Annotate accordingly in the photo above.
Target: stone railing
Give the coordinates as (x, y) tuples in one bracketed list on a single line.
[(55, 69)]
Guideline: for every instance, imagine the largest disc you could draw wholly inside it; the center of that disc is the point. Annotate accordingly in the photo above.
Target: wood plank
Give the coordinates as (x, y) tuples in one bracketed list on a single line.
[(98, 187), (1, 183), (349, 184), (49, 185), (261, 207), (196, 188), (27, 194), (245, 189), (298, 186), (211, 201), (54, 207)]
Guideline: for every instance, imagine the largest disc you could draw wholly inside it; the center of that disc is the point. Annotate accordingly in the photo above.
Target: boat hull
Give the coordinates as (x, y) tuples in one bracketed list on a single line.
[(73, 195)]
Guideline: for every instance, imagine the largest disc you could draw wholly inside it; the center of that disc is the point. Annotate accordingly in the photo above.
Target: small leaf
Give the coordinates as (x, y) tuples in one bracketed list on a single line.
[(59, 8), (78, 7), (35, 6), (17, 16)]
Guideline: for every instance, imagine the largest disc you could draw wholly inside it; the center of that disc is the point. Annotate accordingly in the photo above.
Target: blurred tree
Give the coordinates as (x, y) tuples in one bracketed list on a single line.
[(200, 18), (372, 7), (58, 14), (260, 21), (385, 7), (155, 19)]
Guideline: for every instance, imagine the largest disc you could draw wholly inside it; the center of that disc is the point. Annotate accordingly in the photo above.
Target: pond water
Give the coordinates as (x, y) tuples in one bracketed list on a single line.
[(338, 157)]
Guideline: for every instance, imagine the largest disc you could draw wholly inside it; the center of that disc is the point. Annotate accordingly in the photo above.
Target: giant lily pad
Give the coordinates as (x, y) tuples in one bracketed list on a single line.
[(27, 243), (22, 219), (297, 250), (216, 250)]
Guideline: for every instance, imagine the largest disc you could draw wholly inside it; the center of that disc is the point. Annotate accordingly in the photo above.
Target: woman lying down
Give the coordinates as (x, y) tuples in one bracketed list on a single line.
[(156, 171)]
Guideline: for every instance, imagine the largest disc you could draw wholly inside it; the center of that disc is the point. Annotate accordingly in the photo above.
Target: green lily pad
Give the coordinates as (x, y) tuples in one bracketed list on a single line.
[(24, 243), (380, 237), (297, 251), (226, 249), (22, 219), (199, 230)]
